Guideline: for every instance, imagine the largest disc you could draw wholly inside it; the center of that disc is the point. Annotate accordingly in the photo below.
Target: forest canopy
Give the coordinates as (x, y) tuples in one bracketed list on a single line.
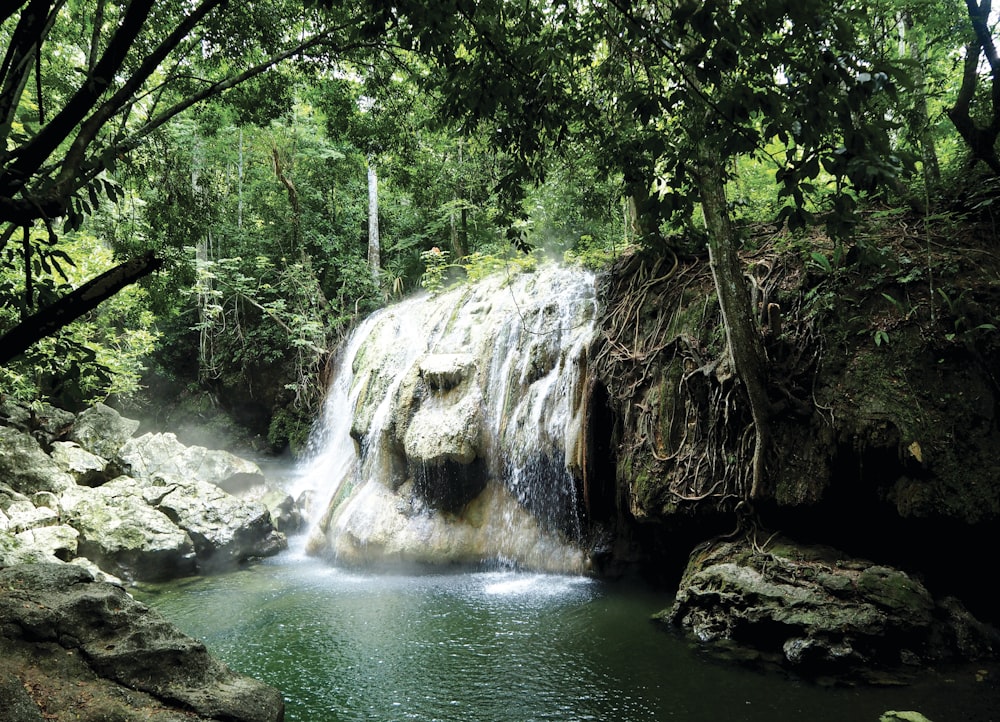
[(209, 193)]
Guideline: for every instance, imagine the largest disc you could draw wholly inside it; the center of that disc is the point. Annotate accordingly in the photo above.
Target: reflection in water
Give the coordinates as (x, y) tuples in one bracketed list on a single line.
[(498, 646)]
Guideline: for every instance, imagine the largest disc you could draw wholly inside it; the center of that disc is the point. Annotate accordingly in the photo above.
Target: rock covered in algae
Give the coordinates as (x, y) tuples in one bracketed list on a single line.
[(816, 609), (75, 649)]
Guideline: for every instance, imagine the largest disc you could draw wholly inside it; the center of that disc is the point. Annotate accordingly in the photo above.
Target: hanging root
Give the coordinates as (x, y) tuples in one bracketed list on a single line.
[(682, 419)]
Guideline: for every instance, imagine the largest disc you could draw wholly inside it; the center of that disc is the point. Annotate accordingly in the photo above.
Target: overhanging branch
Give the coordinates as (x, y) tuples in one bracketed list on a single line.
[(69, 308)]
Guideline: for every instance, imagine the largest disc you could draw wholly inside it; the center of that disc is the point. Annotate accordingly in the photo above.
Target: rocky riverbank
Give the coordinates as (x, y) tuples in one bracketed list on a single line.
[(72, 648), (81, 489), (882, 441), (86, 507)]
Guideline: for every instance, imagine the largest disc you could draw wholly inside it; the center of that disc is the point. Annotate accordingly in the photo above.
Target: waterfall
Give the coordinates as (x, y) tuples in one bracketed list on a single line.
[(452, 431)]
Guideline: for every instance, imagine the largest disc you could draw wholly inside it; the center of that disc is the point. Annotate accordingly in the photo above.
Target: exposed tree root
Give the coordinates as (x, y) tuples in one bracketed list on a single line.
[(682, 423)]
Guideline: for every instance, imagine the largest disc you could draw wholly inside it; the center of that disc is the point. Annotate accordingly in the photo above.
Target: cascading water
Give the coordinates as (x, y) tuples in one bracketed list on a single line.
[(452, 432)]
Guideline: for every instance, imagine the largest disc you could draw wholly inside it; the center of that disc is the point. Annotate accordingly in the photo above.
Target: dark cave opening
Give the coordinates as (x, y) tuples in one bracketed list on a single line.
[(858, 516)]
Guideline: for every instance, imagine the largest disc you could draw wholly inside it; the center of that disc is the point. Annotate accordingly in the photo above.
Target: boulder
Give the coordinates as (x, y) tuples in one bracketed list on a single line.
[(817, 610), (86, 468), (19, 512), (41, 420), (102, 431), (55, 542), (25, 467), (225, 530), (286, 513), (72, 648), (151, 454), (126, 536)]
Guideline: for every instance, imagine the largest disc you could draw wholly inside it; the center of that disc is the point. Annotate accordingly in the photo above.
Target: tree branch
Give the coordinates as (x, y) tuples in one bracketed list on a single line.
[(74, 305), (32, 27), (12, 6), (30, 156), (981, 141)]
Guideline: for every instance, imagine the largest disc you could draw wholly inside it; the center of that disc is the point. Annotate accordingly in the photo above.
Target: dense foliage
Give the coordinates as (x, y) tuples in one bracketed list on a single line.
[(217, 155)]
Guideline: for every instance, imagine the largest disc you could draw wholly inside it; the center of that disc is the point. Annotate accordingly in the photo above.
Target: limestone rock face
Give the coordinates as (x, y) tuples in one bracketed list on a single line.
[(441, 404), (439, 423), (399, 529), (88, 650), (102, 431), (818, 610), (152, 454), (25, 467)]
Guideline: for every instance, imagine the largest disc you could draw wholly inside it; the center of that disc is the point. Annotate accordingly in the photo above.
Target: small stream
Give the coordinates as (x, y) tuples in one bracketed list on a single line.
[(494, 646)]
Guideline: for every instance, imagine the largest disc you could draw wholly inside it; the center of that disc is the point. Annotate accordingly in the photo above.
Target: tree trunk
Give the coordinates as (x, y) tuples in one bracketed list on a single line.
[(920, 119), (67, 309), (374, 247), (981, 139), (460, 235), (746, 346), (239, 185)]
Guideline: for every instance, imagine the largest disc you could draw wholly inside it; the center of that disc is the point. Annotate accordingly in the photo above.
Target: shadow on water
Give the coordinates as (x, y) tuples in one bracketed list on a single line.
[(500, 645)]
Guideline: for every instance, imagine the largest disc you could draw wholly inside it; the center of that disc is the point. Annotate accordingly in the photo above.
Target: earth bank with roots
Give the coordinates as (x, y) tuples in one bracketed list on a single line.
[(884, 451)]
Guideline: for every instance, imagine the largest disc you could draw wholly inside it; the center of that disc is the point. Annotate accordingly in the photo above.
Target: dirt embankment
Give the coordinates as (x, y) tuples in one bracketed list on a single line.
[(884, 358)]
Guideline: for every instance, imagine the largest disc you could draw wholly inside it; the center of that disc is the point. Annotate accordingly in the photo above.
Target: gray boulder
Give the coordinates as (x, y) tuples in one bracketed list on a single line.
[(95, 653), (102, 431), (25, 467), (18, 512), (126, 536), (286, 513), (42, 421), (55, 542), (151, 454), (85, 468), (817, 610), (225, 530)]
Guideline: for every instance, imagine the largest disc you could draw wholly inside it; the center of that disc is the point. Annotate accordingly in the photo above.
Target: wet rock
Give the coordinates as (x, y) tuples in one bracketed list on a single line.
[(905, 716), (102, 431), (817, 610), (72, 648), (151, 454), (126, 536), (440, 427), (286, 513), (447, 485), (445, 371), (25, 467), (398, 529)]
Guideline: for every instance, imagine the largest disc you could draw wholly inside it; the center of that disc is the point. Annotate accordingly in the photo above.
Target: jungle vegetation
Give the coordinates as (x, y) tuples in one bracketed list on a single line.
[(186, 188)]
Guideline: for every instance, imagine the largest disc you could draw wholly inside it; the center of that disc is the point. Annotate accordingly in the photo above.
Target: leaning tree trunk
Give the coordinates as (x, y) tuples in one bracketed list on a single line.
[(746, 346), (72, 306)]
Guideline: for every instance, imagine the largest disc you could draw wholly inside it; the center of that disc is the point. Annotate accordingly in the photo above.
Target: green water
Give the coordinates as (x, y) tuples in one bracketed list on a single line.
[(499, 646)]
